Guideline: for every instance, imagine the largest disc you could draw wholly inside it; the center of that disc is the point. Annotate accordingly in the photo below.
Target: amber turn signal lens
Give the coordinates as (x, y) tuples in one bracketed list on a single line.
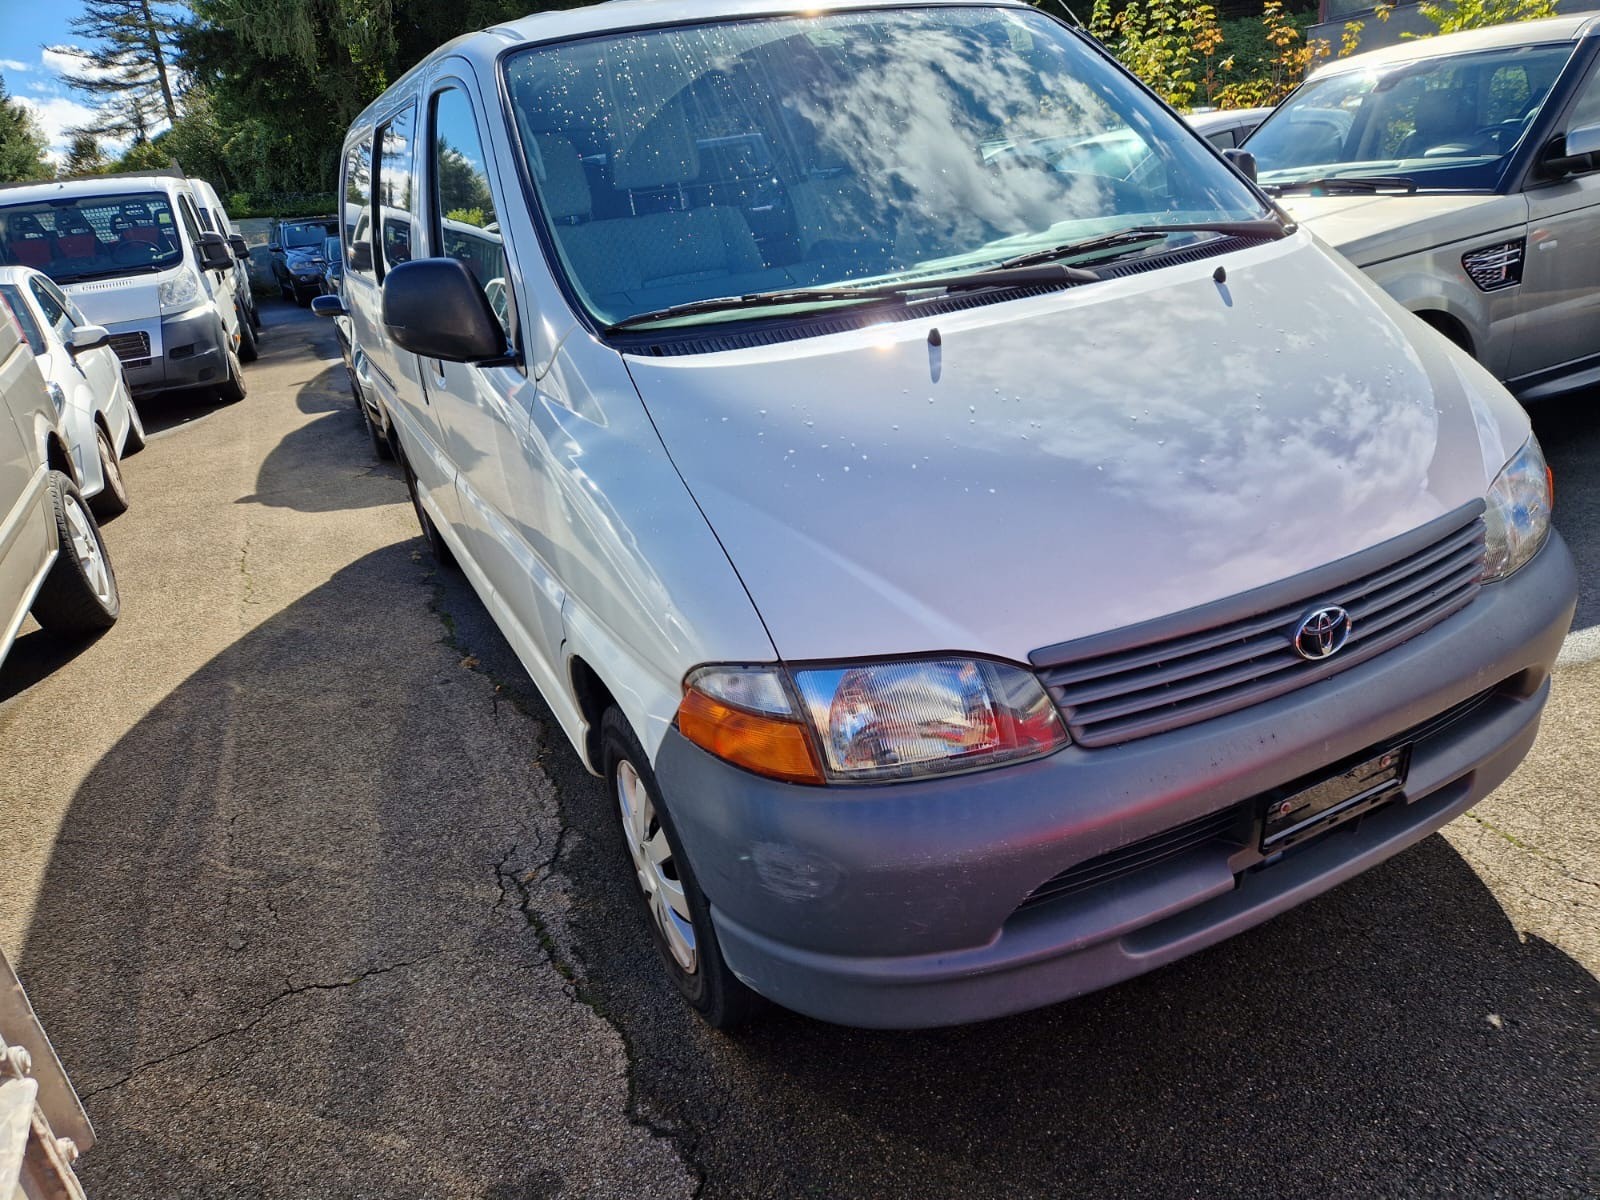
[(770, 746)]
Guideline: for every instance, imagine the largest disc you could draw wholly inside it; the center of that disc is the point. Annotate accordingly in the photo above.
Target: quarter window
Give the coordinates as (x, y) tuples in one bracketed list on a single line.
[(53, 310), (464, 219), (395, 203), (357, 192)]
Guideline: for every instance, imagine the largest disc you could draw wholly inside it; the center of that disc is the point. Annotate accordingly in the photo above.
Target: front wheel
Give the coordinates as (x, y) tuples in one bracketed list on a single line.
[(232, 389), (80, 593), (674, 905), (248, 350), (113, 498)]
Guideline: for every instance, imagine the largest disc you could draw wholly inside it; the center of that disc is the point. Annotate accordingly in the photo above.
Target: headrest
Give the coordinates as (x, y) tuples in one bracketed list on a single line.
[(27, 224), (562, 182), (662, 153)]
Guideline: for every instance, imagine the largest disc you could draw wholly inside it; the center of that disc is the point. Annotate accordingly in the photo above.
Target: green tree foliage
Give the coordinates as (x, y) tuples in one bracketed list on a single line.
[(1452, 16), (22, 143), (84, 156), (1169, 44), (124, 68)]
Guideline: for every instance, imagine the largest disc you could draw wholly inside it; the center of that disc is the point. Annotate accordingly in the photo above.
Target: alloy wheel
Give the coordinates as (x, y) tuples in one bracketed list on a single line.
[(654, 865), (86, 548)]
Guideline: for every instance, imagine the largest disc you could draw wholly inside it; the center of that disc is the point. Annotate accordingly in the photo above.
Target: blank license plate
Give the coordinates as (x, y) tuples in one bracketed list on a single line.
[(1295, 815)]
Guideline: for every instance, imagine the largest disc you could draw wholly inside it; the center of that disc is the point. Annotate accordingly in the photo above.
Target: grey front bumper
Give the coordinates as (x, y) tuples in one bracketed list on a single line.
[(194, 354), (898, 906)]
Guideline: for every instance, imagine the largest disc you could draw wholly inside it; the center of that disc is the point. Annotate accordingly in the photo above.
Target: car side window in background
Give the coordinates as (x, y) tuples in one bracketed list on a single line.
[(396, 205), (357, 189), (11, 299), (53, 310), (189, 221), (464, 220), (1587, 110)]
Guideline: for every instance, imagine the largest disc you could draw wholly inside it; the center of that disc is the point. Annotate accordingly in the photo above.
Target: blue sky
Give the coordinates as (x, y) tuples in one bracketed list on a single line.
[(32, 74)]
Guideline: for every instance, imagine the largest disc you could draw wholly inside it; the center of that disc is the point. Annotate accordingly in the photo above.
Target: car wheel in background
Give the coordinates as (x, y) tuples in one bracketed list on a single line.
[(674, 905), (80, 593), (255, 315), (248, 351), (285, 292), (113, 498), (232, 390), (430, 533)]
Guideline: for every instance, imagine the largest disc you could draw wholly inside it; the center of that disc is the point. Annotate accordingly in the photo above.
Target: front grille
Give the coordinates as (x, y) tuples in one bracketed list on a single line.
[(132, 348), (1230, 825), (1223, 657)]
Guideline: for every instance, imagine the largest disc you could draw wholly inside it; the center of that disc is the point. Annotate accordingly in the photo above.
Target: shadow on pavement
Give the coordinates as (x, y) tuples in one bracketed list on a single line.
[(36, 654), (272, 943), (313, 468)]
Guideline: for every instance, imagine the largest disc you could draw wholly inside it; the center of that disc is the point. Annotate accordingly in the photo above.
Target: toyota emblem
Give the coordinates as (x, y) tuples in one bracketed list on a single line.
[(1322, 633)]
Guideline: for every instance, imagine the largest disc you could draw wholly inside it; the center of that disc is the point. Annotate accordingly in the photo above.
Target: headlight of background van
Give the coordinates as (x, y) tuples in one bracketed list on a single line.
[(1518, 513), (179, 292), (870, 722)]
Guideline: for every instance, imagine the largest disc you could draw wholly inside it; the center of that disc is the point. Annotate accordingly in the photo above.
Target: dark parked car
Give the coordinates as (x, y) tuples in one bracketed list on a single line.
[(298, 263), (333, 271)]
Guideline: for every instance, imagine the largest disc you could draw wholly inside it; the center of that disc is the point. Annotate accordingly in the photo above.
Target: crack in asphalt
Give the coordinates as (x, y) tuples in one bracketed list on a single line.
[(1529, 848), (263, 1012)]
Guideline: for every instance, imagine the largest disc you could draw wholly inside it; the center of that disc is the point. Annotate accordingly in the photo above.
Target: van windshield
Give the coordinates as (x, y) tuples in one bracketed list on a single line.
[(685, 163), (1448, 122), (91, 237)]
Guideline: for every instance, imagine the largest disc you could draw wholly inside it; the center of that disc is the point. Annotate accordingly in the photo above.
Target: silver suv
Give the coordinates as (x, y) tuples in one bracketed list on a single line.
[(1463, 174), (52, 559)]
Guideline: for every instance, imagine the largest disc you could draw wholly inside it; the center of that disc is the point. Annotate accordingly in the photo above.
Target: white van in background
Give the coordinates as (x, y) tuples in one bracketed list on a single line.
[(131, 252), (215, 219)]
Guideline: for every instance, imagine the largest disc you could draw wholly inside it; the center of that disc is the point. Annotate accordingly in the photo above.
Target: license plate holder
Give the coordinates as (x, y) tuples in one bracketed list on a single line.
[(1305, 810)]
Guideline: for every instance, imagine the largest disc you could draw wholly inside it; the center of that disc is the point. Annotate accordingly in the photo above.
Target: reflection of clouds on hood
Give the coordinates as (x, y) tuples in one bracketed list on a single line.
[(915, 121)]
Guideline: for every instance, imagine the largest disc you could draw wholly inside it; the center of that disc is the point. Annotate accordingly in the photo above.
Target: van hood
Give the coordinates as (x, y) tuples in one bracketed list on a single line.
[(119, 300), (1373, 229), (1077, 462)]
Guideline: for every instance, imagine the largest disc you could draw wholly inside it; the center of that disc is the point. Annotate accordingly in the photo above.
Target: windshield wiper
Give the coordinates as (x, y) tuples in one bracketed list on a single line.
[(1264, 228), (994, 277), (136, 269), (1358, 184)]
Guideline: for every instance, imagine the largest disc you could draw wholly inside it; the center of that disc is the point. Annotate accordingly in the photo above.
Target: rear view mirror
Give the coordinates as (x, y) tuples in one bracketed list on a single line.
[(274, 248), (1243, 162), (1572, 154), (215, 254), (361, 256), (329, 306), (241, 248), (435, 308), (87, 337)]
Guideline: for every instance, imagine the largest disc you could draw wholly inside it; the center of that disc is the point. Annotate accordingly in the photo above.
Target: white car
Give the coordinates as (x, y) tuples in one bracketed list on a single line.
[(84, 373)]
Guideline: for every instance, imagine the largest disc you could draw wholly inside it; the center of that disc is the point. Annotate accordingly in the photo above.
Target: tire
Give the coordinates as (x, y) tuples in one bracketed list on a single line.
[(285, 292), (232, 389), (255, 315), (113, 498), (135, 441), (303, 299), (673, 904), (80, 593), (430, 533), (380, 443), (248, 350)]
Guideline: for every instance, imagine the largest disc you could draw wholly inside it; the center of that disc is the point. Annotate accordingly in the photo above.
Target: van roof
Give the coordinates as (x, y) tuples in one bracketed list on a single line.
[(554, 25), (1497, 37), (98, 185)]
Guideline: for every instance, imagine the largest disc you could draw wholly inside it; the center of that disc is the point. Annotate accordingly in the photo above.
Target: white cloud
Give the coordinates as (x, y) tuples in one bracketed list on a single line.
[(11, 64), (62, 61), (59, 114)]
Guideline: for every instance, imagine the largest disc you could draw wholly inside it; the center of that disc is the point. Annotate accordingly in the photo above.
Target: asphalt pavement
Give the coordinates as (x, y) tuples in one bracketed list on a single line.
[(315, 900)]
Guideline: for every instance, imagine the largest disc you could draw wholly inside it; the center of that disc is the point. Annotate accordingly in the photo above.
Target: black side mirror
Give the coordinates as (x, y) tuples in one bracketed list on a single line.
[(361, 256), (1243, 162), (434, 307), (215, 254), (241, 248), (329, 305)]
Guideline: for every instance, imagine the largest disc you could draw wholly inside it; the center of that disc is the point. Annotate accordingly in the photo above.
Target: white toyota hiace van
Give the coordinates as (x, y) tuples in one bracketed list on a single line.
[(983, 566), (131, 252)]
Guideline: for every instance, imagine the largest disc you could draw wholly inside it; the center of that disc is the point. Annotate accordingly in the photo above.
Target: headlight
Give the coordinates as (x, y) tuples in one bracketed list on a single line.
[(1518, 516), (871, 722), (179, 292)]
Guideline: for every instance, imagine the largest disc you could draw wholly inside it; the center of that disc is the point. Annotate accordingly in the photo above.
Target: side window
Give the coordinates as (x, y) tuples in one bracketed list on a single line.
[(357, 195), (463, 214), (1223, 140), (189, 223), (1587, 110), (395, 203), (53, 311), (65, 301)]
